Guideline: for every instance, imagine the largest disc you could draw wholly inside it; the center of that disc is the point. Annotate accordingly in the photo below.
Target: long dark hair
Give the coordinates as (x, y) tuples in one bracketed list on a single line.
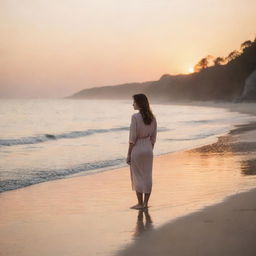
[(144, 108)]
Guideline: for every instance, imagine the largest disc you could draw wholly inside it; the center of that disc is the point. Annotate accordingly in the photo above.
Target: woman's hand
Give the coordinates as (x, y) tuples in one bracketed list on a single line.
[(128, 160)]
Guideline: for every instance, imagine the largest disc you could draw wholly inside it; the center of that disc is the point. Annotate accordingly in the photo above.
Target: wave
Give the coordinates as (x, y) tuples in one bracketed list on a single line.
[(199, 121), (67, 135), (196, 137), (48, 137), (38, 176)]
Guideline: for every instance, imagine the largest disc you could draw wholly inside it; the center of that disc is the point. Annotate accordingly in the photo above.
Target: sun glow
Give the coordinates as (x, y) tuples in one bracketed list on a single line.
[(191, 70)]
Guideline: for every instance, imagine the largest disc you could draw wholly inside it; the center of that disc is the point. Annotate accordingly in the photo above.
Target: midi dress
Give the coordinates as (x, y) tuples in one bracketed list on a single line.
[(142, 136)]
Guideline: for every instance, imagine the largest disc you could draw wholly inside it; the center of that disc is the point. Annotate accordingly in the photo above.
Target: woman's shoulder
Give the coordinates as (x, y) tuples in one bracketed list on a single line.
[(136, 115)]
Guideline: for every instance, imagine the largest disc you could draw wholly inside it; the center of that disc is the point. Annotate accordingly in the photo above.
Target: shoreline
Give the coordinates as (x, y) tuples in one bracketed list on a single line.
[(76, 210), (244, 108)]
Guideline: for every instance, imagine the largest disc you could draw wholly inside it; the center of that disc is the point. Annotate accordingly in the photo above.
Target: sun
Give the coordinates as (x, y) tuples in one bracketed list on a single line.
[(191, 70)]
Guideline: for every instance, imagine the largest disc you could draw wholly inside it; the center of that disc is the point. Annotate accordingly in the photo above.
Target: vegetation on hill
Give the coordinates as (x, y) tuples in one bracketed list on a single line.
[(220, 78)]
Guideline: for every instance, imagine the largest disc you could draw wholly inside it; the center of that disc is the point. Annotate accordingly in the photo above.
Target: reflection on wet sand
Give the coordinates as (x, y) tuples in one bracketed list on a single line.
[(141, 225), (248, 167), (229, 145)]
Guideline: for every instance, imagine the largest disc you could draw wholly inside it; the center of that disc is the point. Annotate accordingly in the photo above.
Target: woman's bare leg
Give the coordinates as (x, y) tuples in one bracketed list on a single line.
[(140, 201), (146, 198), (139, 197)]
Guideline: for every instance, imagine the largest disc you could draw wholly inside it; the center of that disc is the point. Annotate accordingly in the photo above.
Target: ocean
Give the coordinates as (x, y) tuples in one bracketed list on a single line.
[(48, 139)]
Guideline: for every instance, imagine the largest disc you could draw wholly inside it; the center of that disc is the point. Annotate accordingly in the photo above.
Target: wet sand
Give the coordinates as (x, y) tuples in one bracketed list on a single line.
[(90, 215), (228, 228)]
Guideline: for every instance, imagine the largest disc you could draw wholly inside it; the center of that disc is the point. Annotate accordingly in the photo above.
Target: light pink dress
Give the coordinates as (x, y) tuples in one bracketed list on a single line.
[(143, 136)]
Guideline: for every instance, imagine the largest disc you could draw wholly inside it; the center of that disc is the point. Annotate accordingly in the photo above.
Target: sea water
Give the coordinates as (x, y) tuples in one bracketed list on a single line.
[(47, 139)]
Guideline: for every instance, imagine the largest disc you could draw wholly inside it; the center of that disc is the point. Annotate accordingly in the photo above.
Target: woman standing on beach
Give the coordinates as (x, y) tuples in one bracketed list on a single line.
[(142, 137)]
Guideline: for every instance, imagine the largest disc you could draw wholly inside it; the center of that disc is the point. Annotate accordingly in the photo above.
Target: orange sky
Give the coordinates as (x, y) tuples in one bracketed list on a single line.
[(54, 48)]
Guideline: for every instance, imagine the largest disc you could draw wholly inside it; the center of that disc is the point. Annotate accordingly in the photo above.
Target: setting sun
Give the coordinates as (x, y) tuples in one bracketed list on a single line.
[(190, 69)]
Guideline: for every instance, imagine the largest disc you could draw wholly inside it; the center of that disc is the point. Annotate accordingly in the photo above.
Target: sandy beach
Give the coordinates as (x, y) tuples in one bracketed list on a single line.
[(89, 215), (224, 229)]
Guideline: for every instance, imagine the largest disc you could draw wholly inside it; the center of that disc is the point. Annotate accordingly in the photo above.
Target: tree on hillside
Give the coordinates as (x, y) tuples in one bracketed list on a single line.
[(219, 61), (165, 76), (203, 63), (232, 55), (246, 44)]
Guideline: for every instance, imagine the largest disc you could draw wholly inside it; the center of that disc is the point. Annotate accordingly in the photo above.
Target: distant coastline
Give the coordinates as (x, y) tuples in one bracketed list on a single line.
[(225, 80)]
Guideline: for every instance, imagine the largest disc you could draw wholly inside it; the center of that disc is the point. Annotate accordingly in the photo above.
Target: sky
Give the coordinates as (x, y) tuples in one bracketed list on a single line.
[(54, 48)]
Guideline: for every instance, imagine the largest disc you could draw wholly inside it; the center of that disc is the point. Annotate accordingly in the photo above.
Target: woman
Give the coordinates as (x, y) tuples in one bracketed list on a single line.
[(142, 137)]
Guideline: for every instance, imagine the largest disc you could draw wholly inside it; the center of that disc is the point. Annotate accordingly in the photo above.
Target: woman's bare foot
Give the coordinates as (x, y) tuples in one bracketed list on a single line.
[(137, 206), (145, 206)]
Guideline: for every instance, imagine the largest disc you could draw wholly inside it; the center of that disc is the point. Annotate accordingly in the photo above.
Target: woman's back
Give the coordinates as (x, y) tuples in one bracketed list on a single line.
[(143, 130)]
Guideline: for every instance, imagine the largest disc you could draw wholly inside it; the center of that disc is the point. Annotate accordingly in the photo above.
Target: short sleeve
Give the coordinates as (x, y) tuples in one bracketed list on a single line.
[(153, 135), (133, 130)]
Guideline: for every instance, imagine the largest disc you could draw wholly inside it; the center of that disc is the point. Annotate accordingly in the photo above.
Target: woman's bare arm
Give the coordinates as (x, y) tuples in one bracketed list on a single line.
[(128, 160), (131, 145)]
